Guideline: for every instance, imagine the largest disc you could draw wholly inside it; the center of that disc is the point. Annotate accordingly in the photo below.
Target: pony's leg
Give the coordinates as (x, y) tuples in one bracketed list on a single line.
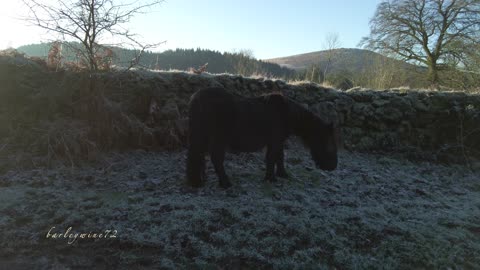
[(272, 157), (195, 167), (196, 176), (281, 172), (203, 174), (217, 155)]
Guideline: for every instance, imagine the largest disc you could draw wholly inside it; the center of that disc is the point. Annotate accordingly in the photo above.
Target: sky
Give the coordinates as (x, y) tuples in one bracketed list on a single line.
[(268, 28)]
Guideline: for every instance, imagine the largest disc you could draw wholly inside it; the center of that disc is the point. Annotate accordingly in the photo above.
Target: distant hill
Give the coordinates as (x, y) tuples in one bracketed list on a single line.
[(343, 59), (359, 67), (183, 59), (348, 67)]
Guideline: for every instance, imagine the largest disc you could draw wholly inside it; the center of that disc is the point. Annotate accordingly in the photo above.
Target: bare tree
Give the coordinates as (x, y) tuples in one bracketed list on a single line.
[(89, 22), (245, 52), (331, 43), (242, 65), (434, 33)]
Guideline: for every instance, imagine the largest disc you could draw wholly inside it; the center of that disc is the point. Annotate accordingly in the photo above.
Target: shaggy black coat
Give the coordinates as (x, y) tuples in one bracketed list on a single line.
[(220, 121)]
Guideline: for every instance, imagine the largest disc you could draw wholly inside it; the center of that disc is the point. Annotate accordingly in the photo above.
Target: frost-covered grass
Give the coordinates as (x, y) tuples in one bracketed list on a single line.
[(375, 211)]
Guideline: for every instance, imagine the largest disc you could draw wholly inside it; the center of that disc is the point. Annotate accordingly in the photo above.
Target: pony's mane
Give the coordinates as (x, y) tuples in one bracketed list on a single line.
[(302, 121)]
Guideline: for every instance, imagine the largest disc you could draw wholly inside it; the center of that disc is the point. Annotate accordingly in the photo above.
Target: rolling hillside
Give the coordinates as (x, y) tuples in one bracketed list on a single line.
[(342, 59), (353, 67), (347, 67)]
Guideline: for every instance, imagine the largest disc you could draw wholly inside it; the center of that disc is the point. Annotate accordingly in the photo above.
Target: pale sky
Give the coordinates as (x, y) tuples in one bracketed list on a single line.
[(269, 28)]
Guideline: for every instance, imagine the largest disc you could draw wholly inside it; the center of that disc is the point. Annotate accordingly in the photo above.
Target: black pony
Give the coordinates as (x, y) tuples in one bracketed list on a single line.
[(220, 121)]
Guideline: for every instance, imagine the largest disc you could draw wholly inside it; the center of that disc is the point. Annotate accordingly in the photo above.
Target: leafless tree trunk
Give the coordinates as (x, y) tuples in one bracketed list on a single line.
[(428, 32), (332, 43)]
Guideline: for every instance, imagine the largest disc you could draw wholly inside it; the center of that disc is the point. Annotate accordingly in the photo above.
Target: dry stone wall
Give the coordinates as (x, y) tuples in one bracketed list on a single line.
[(440, 122), (149, 109)]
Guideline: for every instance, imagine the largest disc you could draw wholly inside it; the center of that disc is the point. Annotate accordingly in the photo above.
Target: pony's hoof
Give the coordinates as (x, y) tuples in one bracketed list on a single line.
[(282, 174), (271, 179), (225, 184), (197, 184)]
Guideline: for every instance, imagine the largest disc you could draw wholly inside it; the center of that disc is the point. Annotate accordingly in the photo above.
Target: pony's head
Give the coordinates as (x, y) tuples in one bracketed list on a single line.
[(318, 135), (322, 142)]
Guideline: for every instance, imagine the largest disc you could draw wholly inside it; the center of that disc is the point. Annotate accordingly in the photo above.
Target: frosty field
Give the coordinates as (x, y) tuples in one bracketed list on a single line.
[(374, 211)]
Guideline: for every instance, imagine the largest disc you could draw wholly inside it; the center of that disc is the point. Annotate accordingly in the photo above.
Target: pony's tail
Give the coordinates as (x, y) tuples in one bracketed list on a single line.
[(196, 151)]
